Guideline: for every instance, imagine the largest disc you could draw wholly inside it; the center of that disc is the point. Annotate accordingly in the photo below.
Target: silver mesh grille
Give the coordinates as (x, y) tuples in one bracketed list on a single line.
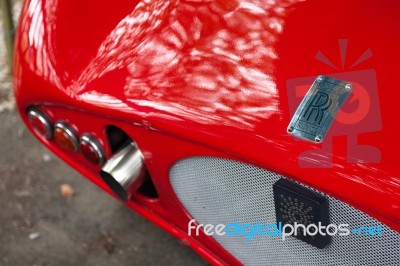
[(215, 191)]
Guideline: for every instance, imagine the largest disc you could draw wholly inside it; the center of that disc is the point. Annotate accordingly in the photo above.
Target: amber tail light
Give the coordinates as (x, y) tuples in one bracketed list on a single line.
[(65, 136)]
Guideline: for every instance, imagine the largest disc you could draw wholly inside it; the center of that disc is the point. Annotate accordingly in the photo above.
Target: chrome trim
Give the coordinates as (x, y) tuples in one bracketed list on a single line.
[(35, 113), (125, 171), (70, 132), (95, 144)]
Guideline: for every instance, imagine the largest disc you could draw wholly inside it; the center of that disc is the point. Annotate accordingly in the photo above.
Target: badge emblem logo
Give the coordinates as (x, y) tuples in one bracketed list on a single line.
[(317, 111)]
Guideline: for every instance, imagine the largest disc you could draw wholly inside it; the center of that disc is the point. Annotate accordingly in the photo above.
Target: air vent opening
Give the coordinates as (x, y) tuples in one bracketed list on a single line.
[(148, 189), (116, 138)]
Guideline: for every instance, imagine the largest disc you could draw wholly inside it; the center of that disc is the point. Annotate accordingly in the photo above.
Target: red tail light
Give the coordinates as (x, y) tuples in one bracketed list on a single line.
[(40, 123), (91, 149), (65, 136)]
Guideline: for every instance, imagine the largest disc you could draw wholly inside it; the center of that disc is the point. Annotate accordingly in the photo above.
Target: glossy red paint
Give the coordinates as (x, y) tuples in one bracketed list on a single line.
[(210, 78)]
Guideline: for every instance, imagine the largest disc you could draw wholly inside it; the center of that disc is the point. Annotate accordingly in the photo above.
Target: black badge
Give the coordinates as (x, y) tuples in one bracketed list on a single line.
[(297, 204)]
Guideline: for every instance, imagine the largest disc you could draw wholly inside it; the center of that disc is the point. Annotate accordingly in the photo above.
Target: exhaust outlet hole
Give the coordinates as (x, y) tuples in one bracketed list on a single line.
[(116, 138), (148, 189)]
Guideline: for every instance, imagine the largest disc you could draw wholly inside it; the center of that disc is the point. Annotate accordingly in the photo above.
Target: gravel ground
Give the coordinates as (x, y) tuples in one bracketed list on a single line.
[(40, 226), (6, 96)]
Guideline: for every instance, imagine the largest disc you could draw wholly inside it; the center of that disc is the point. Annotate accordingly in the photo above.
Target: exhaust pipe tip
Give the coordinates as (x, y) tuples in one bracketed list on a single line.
[(115, 186), (125, 171)]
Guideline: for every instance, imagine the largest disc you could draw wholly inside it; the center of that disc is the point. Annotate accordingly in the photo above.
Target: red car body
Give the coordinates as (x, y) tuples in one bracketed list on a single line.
[(210, 78)]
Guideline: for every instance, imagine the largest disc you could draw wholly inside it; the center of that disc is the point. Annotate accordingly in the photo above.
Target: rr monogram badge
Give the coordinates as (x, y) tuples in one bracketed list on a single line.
[(318, 109)]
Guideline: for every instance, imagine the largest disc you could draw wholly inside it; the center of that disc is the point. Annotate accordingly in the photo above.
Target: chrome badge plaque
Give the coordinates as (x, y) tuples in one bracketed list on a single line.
[(318, 109)]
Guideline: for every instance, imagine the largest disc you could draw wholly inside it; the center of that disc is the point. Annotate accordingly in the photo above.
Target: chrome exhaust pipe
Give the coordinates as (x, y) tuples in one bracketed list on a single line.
[(125, 171)]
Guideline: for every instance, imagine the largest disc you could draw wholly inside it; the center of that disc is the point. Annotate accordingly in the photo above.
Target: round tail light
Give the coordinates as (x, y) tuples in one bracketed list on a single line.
[(40, 122), (91, 149), (65, 136)]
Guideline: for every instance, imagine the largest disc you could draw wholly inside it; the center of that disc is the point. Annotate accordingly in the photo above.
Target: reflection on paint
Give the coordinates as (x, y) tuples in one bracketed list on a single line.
[(208, 61)]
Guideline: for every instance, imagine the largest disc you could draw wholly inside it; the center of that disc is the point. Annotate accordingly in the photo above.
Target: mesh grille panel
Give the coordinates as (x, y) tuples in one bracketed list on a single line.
[(215, 191)]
